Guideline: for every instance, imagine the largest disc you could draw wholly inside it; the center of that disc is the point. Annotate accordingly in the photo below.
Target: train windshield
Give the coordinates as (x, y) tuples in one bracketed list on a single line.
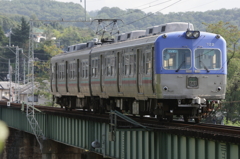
[(176, 59), (208, 59)]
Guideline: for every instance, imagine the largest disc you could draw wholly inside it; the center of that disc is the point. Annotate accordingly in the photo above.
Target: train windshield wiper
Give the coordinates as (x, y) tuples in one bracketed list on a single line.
[(205, 67), (180, 66)]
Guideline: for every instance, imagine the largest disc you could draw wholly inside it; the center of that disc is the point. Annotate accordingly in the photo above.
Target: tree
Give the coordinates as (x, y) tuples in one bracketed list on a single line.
[(231, 34), (20, 34), (3, 38)]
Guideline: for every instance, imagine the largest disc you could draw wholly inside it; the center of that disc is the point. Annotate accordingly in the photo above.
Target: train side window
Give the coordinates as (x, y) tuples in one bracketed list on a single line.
[(60, 72), (148, 63), (163, 29), (128, 35), (63, 68), (131, 65), (94, 67), (83, 69), (69, 73), (113, 61), (74, 70), (110, 66), (86, 69), (126, 65), (135, 64), (150, 31), (143, 61)]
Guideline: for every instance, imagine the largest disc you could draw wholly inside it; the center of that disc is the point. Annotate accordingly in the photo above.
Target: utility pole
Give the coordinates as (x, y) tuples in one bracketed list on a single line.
[(17, 75), (10, 80), (10, 32), (85, 6), (24, 70), (30, 113)]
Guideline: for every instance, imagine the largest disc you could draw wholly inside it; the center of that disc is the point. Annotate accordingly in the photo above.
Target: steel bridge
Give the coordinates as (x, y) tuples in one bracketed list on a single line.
[(123, 143)]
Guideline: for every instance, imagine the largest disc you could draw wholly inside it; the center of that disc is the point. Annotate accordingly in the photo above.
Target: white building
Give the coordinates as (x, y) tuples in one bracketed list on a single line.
[(24, 90)]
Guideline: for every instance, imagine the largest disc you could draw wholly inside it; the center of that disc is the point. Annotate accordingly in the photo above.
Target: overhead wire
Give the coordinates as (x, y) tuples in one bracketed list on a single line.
[(134, 10), (151, 14)]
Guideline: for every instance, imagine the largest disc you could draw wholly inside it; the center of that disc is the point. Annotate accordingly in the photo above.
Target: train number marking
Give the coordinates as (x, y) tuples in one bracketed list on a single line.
[(210, 44)]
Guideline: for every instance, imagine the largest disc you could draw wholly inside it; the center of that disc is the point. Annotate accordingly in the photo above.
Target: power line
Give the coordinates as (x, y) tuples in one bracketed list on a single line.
[(152, 14), (143, 8)]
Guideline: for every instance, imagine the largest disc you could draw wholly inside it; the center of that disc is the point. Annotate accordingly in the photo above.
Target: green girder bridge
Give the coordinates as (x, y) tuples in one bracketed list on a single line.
[(141, 143)]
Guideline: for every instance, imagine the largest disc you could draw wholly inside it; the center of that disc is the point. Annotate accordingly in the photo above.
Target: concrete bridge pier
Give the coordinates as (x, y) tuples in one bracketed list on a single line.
[(22, 145)]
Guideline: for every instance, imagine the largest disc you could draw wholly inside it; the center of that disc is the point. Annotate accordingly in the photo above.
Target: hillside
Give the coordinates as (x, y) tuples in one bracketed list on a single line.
[(12, 11), (44, 10)]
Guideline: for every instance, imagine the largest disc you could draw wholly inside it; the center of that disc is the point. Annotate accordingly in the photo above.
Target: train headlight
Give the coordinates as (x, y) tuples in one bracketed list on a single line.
[(196, 34), (192, 34), (189, 34)]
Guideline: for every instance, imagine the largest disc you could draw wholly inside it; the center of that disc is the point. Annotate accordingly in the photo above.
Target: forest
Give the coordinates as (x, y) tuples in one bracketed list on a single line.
[(65, 22)]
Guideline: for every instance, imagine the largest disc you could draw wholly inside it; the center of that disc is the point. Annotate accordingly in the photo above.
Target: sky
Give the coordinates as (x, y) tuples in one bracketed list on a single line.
[(164, 6)]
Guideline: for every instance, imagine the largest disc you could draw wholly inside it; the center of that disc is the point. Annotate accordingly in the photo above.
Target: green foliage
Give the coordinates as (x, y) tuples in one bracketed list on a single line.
[(4, 132), (45, 10), (73, 35), (8, 21), (231, 34), (20, 34), (3, 38), (230, 123)]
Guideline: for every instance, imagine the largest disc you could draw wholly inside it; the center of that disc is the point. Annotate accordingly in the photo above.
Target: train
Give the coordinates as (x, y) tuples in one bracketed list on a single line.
[(164, 71)]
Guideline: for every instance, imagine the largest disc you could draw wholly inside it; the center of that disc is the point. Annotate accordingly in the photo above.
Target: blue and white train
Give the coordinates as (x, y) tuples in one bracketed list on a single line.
[(164, 70)]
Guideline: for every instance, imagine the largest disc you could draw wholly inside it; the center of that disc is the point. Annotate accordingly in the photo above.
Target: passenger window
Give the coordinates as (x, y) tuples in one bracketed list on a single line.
[(110, 66), (85, 69), (150, 31), (126, 65), (94, 67), (208, 58), (132, 65), (163, 29), (143, 61), (148, 63), (86, 66), (176, 59), (74, 70)]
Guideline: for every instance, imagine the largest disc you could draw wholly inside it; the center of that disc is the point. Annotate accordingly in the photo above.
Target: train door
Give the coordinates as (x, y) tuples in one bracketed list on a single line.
[(118, 63), (152, 72), (139, 68), (66, 75), (52, 80), (101, 72), (56, 77), (78, 75), (148, 70), (90, 72)]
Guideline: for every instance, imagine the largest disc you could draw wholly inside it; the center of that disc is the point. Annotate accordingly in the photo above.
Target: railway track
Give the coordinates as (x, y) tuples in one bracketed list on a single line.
[(220, 133)]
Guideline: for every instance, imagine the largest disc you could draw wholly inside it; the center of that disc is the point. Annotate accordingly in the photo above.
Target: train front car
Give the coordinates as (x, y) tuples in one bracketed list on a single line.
[(191, 68)]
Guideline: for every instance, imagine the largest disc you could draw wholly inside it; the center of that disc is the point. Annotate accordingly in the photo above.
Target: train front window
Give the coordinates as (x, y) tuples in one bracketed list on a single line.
[(207, 59), (176, 59)]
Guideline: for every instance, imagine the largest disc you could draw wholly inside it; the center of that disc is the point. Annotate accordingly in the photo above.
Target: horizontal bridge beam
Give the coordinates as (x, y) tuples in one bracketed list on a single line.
[(123, 144)]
